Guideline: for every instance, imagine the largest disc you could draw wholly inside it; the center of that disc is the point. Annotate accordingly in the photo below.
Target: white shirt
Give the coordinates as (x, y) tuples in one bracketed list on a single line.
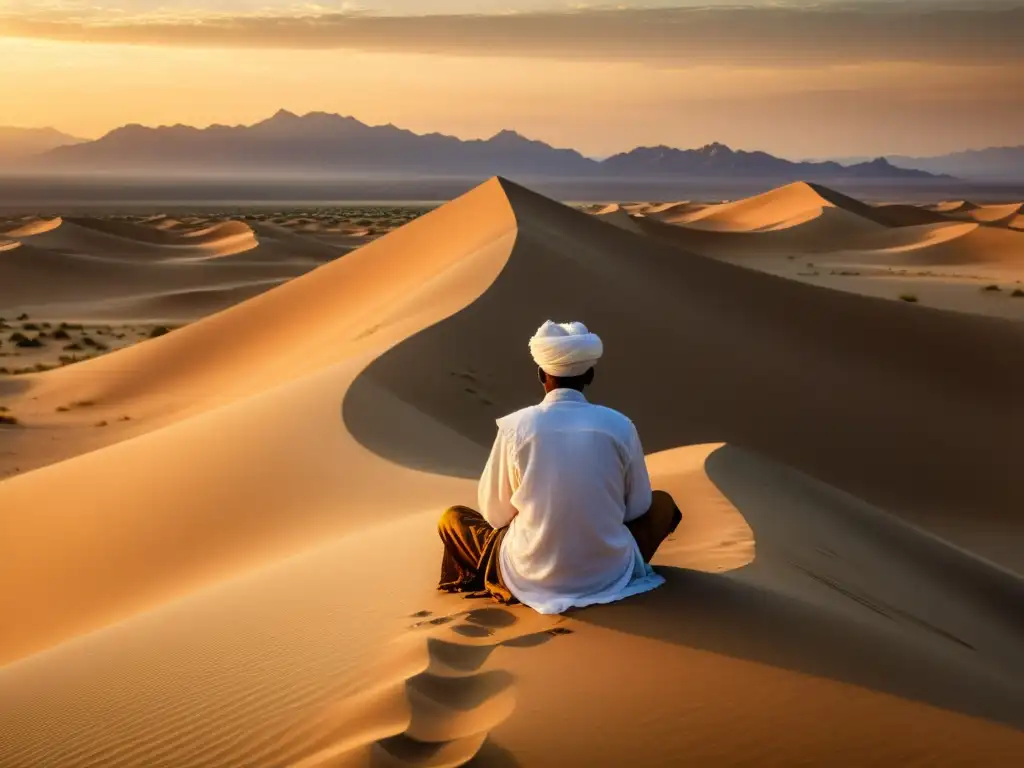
[(564, 476)]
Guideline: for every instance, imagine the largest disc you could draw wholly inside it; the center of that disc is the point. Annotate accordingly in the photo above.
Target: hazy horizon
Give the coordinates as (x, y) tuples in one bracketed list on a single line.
[(798, 80)]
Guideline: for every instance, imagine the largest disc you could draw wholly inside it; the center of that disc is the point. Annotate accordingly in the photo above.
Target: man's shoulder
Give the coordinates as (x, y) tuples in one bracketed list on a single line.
[(511, 422), (614, 419)]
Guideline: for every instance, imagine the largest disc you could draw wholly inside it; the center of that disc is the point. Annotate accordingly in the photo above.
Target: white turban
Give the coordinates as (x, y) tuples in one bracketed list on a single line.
[(565, 349)]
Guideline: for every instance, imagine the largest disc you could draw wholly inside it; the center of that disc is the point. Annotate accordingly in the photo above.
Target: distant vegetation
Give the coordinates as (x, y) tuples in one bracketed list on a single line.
[(1017, 293), (909, 297), (77, 342), (991, 288)]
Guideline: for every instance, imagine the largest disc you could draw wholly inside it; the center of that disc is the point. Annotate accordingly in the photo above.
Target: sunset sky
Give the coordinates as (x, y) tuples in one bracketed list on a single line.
[(832, 78)]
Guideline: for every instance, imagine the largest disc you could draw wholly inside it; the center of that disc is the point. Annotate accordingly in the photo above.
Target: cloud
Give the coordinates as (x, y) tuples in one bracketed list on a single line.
[(773, 36)]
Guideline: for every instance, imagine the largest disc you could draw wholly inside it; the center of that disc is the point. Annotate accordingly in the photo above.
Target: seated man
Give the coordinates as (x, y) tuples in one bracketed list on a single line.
[(568, 516)]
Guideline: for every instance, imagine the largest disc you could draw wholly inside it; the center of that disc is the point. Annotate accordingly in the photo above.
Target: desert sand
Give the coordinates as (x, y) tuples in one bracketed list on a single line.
[(238, 569)]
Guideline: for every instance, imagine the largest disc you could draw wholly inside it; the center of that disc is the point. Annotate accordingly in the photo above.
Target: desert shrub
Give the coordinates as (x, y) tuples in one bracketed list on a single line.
[(991, 288), (1017, 293), (29, 327), (17, 336), (908, 297), (31, 343), (62, 409), (101, 346), (22, 317), (89, 341), (43, 367), (4, 409), (71, 326), (73, 347), (60, 333), (46, 325), (101, 423), (160, 330), (9, 421)]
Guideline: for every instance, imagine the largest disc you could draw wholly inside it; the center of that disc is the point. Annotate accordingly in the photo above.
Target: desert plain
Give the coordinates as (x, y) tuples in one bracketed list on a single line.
[(225, 440)]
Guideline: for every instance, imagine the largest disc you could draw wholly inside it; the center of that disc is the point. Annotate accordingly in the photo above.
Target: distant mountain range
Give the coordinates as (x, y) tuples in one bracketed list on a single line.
[(329, 144), (23, 142), (718, 161), (989, 164), (992, 164)]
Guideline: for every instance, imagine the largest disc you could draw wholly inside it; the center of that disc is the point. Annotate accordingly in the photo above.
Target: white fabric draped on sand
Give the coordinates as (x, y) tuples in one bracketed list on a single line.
[(565, 349)]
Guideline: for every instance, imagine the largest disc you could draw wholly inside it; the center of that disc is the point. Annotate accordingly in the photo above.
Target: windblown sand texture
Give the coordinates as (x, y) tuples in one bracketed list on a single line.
[(244, 574)]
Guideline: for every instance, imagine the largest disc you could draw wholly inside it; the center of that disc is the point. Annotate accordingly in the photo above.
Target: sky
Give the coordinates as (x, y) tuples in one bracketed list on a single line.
[(801, 79)]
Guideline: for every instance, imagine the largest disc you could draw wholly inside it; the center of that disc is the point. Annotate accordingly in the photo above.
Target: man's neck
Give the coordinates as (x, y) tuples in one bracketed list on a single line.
[(565, 393)]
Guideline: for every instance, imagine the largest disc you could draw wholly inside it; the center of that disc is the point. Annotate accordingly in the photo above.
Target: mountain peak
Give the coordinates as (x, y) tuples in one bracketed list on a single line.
[(715, 149), (283, 115), (507, 135)]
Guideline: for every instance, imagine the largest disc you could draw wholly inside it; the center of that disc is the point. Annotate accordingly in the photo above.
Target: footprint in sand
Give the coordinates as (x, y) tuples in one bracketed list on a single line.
[(448, 705), (471, 385), (454, 703)]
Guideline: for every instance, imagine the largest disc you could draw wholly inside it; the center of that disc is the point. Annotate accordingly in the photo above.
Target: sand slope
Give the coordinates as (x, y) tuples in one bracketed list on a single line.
[(217, 586)]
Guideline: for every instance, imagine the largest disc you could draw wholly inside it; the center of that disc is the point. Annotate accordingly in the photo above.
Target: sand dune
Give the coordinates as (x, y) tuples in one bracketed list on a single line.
[(993, 214), (779, 209), (951, 206), (617, 216), (901, 215), (85, 269), (222, 585), (943, 255), (38, 227), (123, 239)]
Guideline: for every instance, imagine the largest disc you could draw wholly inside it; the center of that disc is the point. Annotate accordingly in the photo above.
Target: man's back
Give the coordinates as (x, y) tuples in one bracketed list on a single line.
[(563, 480), (565, 476)]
